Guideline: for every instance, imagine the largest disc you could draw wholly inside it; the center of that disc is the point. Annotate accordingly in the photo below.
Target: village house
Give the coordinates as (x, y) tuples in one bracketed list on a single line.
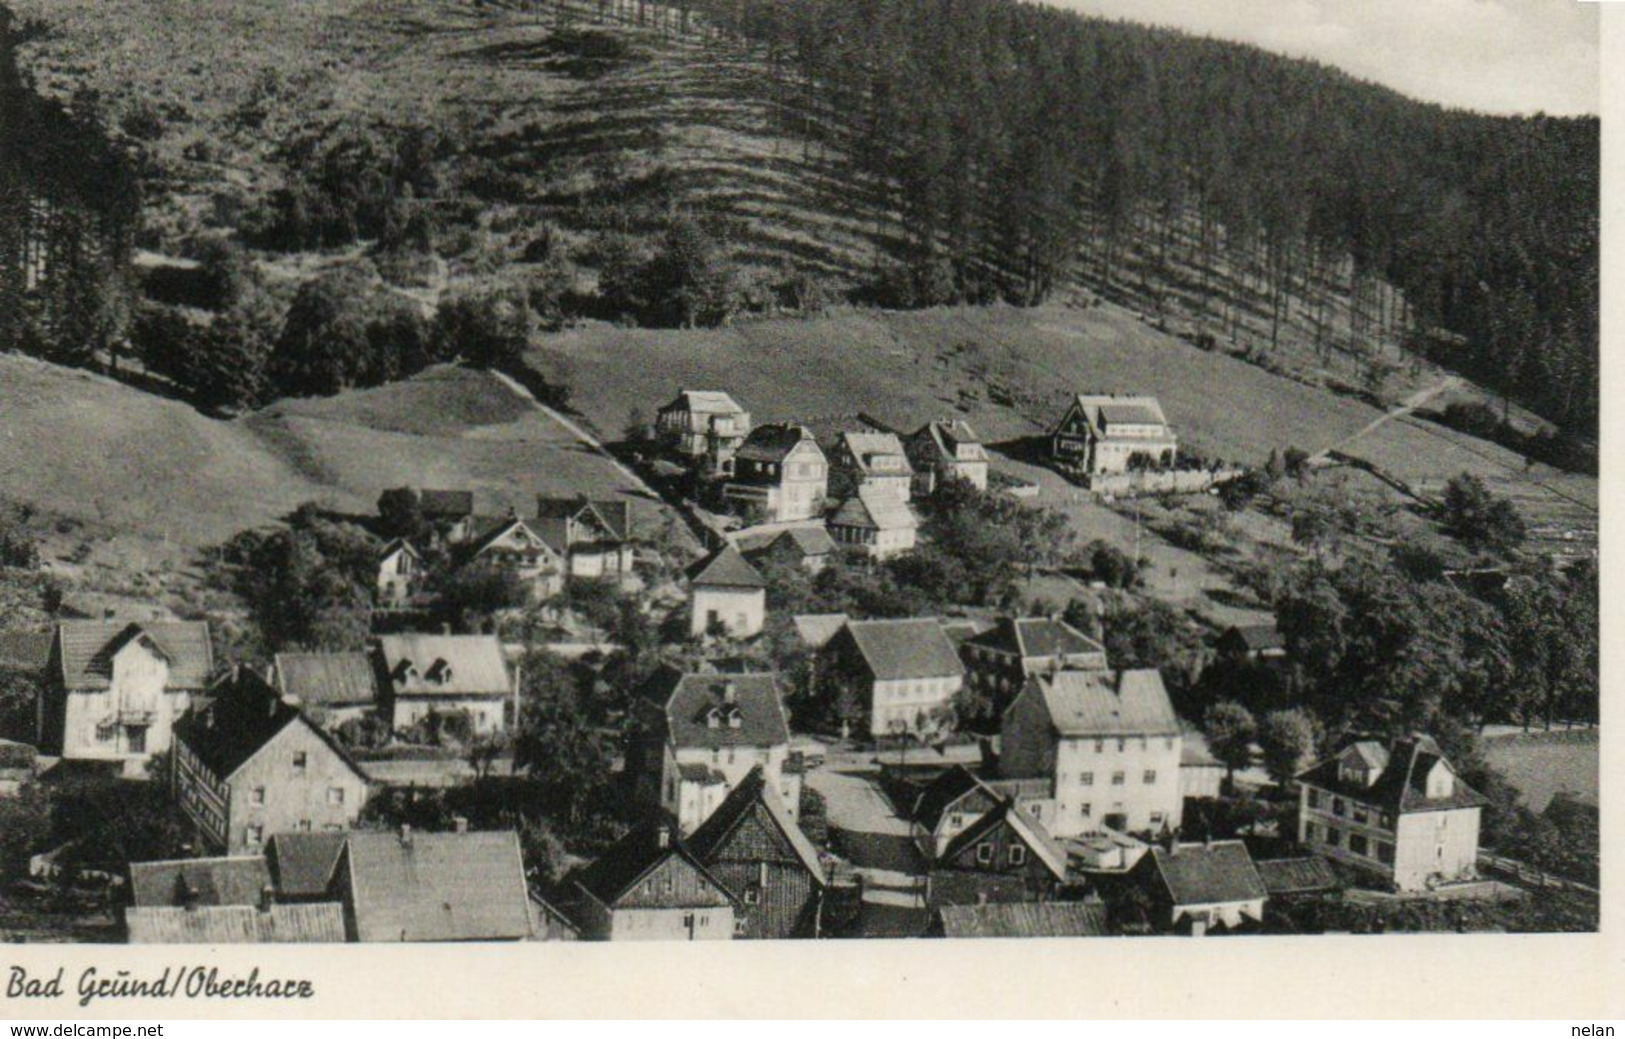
[(701, 733), (873, 524), (957, 798), (727, 595), (406, 886), (944, 450), (752, 845), (1004, 856), (649, 886), (225, 880), (999, 661), (810, 548), (448, 514), (445, 675), (1099, 435), (510, 545), (303, 864), (780, 475), (872, 461), (1251, 642), (704, 428), (1021, 920), (249, 765), (400, 573), (331, 688), (1110, 743), (903, 674), (1397, 810), (1304, 877), (1201, 886), (114, 689), (593, 537), (235, 924)]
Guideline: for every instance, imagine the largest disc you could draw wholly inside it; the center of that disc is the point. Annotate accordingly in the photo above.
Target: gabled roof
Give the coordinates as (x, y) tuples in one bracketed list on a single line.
[(1258, 637), (774, 441), (615, 516), (1402, 784), (398, 545), (1107, 703), (230, 925), (1025, 920), (698, 712), (444, 665), (704, 402), (752, 794), (326, 678), (873, 509), (911, 648), (725, 568), (1031, 831), (237, 724), (1037, 637), (617, 871), (806, 541), (437, 887), (945, 790), (444, 505), (944, 435), (1297, 876), (1102, 411), (230, 880), (88, 647), (816, 629), (489, 530), (863, 446), (1207, 874), (303, 863)]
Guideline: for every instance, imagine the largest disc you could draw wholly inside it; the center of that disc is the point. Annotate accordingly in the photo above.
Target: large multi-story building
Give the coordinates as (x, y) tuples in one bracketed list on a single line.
[(871, 461), (1108, 741), (704, 427), (902, 674), (946, 450), (1395, 810), (780, 475), (423, 675), (1109, 434), (1000, 660)]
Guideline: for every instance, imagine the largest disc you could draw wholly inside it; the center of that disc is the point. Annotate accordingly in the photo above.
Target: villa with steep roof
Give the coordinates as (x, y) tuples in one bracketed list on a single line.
[(1109, 742), (727, 595), (872, 461), (1397, 810), (780, 475), (114, 689), (704, 427), (902, 674), (699, 734), (420, 675), (874, 524), (943, 450), (509, 544), (1110, 434)]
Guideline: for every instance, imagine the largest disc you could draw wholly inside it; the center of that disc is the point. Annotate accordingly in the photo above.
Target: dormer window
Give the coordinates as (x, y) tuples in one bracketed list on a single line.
[(439, 672), (713, 718), (734, 719), (405, 671)]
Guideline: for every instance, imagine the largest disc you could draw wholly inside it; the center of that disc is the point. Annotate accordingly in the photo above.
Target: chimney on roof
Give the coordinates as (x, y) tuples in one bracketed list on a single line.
[(406, 835), (663, 836), (267, 898), (730, 692), (459, 824), (445, 628)]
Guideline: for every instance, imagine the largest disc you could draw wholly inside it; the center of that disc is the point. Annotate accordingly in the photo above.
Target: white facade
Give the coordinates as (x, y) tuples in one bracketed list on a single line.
[(129, 721), (741, 611), (902, 705), (693, 800)]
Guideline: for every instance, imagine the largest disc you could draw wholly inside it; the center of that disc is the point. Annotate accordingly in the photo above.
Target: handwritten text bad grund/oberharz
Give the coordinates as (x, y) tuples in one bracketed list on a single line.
[(173, 982)]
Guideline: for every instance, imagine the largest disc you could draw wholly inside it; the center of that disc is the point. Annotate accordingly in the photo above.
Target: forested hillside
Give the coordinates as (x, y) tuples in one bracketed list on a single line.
[(695, 162)]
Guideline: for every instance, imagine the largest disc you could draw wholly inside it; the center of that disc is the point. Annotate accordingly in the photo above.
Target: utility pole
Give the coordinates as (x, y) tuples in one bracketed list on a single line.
[(1136, 535)]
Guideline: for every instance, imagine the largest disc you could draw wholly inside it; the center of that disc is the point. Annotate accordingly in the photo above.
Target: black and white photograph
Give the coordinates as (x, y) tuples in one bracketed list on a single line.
[(762, 470)]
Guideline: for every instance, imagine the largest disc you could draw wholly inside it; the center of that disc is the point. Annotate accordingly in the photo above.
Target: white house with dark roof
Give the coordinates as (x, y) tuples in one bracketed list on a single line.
[(400, 569), (420, 675), (726, 594), (1202, 886), (874, 524), (114, 689), (809, 547), (701, 733), (703, 426), (1111, 434), (903, 674), (593, 536), (509, 544), (780, 475), (873, 461), (946, 449), (1110, 743), (1396, 810)]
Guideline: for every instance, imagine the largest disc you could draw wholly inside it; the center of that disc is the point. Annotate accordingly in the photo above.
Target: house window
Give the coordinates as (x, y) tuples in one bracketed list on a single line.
[(256, 796), (1122, 745), (1314, 798), (984, 853), (1357, 844), (335, 795), (956, 820), (1018, 855), (753, 895), (1168, 743), (1361, 814), (1156, 819), (1385, 853), (1117, 779), (1311, 833), (1337, 806), (1086, 809), (1100, 746), (1087, 779), (1334, 837), (304, 825), (254, 836), (300, 759), (739, 926), (135, 738), (1150, 776)]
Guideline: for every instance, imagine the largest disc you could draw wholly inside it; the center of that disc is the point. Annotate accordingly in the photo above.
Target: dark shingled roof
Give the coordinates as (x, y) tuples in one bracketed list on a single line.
[(303, 863), (1024, 920), (1259, 637), (1030, 830), (807, 541), (691, 701), (326, 678), (1205, 874), (438, 887), (1037, 637), (441, 505), (231, 925), (772, 442), (88, 648), (628, 860), (1297, 876), (943, 791), (235, 880), (725, 568), (898, 649), (1402, 784), (1107, 703), (616, 515), (235, 725), (752, 791)]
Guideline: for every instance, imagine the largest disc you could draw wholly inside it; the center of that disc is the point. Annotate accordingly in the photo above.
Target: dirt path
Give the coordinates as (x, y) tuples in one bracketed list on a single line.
[(1405, 407), (576, 431)]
